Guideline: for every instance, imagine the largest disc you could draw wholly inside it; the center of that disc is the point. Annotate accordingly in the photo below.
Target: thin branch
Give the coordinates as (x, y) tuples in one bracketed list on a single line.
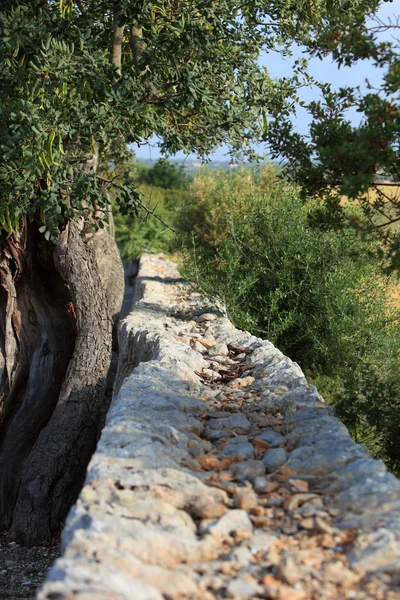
[(139, 202)]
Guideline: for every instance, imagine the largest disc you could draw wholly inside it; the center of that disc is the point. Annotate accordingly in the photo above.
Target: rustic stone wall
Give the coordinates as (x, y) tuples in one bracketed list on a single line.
[(221, 473)]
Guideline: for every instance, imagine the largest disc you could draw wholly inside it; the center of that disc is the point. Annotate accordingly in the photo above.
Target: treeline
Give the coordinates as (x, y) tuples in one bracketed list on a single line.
[(320, 295)]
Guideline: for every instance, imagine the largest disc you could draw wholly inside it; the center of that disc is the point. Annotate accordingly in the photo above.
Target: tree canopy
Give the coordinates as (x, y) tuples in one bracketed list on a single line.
[(338, 159), (80, 76)]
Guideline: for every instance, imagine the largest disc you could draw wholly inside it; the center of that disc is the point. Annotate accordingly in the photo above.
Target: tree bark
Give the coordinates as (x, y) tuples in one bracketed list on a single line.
[(116, 42), (57, 305)]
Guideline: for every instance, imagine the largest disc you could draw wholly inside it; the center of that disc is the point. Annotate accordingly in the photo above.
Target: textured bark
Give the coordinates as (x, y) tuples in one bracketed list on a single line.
[(57, 307)]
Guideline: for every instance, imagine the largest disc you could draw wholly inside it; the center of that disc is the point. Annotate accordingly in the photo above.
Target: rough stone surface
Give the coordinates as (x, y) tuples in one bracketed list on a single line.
[(221, 473)]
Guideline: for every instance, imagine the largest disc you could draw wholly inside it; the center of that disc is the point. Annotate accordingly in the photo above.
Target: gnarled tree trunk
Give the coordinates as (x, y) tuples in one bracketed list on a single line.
[(56, 310)]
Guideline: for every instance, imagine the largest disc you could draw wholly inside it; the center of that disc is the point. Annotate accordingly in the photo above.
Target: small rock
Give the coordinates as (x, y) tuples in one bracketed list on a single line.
[(263, 486), (199, 347), (289, 570), (302, 498), (262, 541), (336, 572), (206, 508), (241, 382), (284, 592), (322, 526), (206, 317), (374, 550), (239, 439), (242, 588), (216, 434), (241, 557), (275, 501), (242, 451), (235, 523), (245, 498), (274, 459), (235, 421), (206, 343), (211, 374), (273, 438), (219, 414), (299, 485), (183, 340), (307, 524), (220, 349), (248, 470), (241, 356)]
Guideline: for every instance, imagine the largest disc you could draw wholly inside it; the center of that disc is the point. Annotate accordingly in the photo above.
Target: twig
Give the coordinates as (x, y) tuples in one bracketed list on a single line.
[(139, 202)]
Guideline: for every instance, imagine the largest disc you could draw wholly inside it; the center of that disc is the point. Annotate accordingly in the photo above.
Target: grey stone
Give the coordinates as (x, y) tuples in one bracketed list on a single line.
[(239, 439), (242, 451), (236, 421), (248, 470), (356, 471), (242, 588), (206, 317), (260, 485), (219, 349), (273, 438), (374, 551), (325, 457), (199, 348), (369, 494), (273, 459)]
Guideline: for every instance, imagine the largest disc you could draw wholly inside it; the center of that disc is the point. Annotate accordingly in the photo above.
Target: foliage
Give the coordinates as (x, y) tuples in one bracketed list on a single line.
[(337, 158), (319, 296), (164, 174), (185, 71)]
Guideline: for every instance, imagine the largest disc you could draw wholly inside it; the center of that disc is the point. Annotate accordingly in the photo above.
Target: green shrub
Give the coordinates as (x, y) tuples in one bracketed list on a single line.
[(319, 296)]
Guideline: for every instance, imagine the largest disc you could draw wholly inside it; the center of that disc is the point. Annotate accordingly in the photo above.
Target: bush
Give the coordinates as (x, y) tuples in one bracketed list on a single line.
[(319, 296)]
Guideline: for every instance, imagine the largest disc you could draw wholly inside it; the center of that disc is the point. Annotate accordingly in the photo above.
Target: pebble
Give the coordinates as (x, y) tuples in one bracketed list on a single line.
[(199, 348), (204, 508), (239, 439), (242, 451), (271, 437), (248, 470), (274, 459), (262, 485), (206, 317), (211, 374), (242, 588), (241, 382), (234, 523), (245, 498), (219, 349), (298, 485), (234, 421)]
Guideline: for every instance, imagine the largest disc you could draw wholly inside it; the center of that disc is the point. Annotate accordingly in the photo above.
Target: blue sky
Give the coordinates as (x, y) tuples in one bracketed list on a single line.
[(322, 70)]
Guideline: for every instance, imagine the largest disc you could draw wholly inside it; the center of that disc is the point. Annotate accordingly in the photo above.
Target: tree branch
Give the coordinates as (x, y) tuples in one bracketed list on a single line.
[(148, 210), (116, 43)]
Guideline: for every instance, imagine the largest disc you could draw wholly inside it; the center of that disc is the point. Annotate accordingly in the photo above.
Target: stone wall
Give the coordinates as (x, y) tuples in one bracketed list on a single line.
[(221, 473)]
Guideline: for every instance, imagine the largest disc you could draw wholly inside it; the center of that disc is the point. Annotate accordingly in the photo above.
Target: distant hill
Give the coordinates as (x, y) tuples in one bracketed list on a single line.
[(193, 165)]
